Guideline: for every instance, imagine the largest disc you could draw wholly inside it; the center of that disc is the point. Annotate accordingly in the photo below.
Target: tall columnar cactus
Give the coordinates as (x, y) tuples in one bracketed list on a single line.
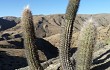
[(29, 40), (85, 45), (67, 34)]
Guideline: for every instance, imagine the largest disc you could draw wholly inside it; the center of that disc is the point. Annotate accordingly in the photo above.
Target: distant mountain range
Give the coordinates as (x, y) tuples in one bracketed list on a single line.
[(47, 25)]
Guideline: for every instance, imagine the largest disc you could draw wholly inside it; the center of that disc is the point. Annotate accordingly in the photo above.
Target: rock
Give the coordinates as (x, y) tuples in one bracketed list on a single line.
[(42, 56), (53, 66), (25, 68)]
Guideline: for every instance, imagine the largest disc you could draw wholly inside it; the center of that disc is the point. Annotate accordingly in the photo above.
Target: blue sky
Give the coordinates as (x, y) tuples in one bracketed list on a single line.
[(38, 7)]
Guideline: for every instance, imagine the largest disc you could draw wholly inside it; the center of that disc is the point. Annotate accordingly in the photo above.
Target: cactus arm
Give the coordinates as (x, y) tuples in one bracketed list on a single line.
[(67, 34), (85, 45), (29, 40)]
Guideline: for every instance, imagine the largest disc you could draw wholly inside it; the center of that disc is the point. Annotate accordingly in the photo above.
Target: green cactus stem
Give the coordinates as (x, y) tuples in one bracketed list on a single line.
[(85, 45), (29, 40), (66, 34)]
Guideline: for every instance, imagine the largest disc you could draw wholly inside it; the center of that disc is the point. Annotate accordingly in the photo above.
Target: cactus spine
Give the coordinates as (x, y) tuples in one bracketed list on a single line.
[(85, 45), (67, 34), (29, 40)]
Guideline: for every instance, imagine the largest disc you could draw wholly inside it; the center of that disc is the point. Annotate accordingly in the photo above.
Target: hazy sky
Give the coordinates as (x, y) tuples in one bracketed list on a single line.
[(15, 7)]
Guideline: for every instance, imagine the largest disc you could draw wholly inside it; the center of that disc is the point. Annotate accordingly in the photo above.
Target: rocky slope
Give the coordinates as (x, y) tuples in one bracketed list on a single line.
[(103, 37), (47, 25), (101, 61), (48, 29)]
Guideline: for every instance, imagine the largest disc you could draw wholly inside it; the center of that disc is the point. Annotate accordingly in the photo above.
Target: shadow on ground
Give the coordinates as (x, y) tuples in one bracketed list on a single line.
[(17, 44), (8, 62), (6, 24), (47, 48), (104, 64)]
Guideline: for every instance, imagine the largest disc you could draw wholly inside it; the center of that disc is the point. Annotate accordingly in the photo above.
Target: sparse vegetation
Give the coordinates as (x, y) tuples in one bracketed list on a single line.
[(39, 34)]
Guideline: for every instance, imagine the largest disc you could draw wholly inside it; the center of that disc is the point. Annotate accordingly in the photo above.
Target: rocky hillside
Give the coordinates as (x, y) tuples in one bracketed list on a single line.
[(47, 25), (48, 30)]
